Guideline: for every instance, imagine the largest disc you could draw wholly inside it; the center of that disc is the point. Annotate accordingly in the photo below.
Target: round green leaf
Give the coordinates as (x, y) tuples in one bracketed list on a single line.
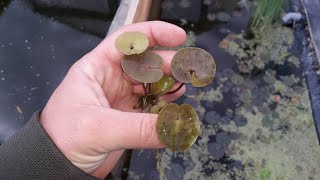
[(132, 43), (178, 127), (144, 67), (193, 65)]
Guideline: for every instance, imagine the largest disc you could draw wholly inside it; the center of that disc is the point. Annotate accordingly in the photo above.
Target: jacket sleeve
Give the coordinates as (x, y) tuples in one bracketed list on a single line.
[(31, 154)]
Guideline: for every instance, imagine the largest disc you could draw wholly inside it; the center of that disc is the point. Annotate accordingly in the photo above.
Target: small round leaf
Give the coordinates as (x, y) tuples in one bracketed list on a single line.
[(144, 67), (162, 86), (193, 65), (132, 43), (178, 127), (156, 108)]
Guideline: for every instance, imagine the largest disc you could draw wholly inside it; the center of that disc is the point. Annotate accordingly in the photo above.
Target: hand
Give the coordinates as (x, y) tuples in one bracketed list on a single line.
[(90, 116)]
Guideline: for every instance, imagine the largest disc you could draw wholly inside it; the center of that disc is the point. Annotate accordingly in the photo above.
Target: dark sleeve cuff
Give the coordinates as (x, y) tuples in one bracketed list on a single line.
[(31, 154)]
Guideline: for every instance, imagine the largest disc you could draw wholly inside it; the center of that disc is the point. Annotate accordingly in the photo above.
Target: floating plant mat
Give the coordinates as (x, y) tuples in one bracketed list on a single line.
[(256, 118)]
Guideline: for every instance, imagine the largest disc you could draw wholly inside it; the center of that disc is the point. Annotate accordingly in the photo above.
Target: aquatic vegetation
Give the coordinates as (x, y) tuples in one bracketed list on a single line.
[(264, 174), (156, 108), (246, 4), (163, 86), (193, 65), (144, 67), (256, 122), (132, 43), (178, 127), (269, 125), (265, 13), (253, 55)]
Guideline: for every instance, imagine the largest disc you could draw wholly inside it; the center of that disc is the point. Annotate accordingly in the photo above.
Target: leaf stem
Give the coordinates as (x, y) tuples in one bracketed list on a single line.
[(172, 92)]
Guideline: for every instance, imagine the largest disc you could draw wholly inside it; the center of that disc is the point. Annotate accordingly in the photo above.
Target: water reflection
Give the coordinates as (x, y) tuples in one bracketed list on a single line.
[(91, 17), (37, 47)]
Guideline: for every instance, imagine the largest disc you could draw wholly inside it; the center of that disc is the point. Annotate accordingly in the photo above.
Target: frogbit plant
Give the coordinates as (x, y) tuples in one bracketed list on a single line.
[(178, 127)]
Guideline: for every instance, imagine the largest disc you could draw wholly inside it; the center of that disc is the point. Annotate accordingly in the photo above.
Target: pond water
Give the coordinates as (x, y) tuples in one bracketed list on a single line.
[(39, 41), (256, 117)]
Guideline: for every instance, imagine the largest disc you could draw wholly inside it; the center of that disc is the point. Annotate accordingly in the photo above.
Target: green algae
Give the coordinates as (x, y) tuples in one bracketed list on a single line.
[(213, 95), (264, 174), (255, 54)]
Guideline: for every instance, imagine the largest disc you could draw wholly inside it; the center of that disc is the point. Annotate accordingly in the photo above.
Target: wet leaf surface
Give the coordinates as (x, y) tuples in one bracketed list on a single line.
[(162, 86), (156, 108), (132, 43), (193, 65), (144, 67), (178, 127)]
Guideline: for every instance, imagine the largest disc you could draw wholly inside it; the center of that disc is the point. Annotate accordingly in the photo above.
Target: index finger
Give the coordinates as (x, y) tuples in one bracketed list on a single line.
[(158, 32)]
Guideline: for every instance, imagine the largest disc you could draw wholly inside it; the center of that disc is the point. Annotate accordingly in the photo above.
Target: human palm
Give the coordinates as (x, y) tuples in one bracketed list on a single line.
[(90, 116)]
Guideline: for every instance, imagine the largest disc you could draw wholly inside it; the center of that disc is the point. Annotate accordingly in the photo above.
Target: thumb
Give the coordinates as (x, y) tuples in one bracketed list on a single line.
[(131, 130)]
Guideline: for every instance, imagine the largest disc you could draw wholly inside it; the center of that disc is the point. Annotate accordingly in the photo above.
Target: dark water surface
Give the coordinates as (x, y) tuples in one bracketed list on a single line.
[(39, 41)]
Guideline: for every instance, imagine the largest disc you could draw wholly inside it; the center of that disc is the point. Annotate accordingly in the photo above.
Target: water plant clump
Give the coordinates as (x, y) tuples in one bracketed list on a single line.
[(270, 47), (270, 113), (178, 127), (273, 123), (265, 13)]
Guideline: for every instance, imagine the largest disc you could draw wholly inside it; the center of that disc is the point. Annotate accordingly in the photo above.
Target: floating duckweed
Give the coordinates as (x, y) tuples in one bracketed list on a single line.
[(289, 80), (246, 97), (270, 77), (130, 43), (178, 127), (294, 60), (264, 174), (193, 65), (237, 79), (240, 120), (212, 95), (268, 121), (144, 67), (254, 54), (282, 141)]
